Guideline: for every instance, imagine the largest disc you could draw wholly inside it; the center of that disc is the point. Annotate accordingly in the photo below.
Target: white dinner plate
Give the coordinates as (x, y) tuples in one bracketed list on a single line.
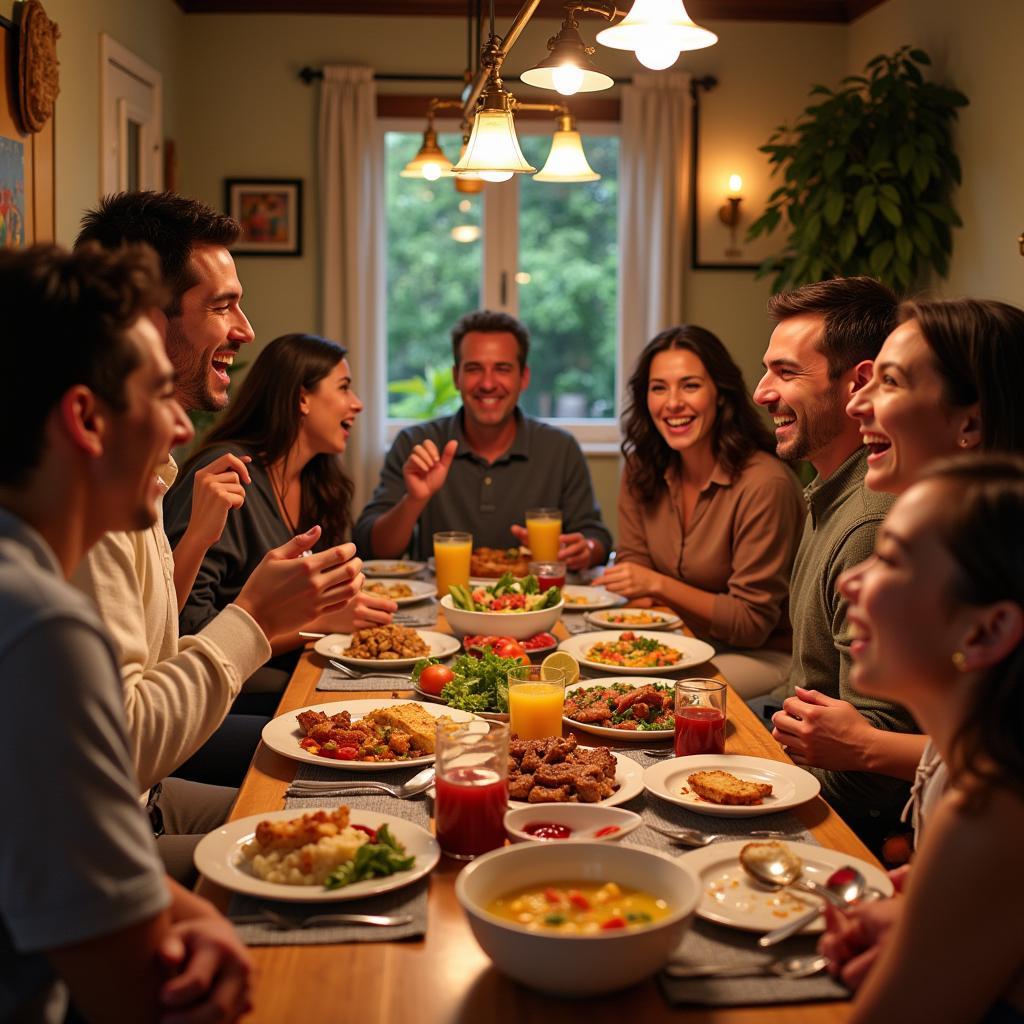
[(392, 567), (791, 785), (584, 599), (691, 651), (282, 734), (421, 589), (627, 618), (334, 645), (628, 774), (626, 735), (219, 857), (730, 897)]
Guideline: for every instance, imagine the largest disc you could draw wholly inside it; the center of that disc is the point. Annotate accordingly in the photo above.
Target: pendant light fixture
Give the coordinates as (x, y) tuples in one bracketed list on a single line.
[(430, 162), (567, 68), (567, 161), (657, 30)]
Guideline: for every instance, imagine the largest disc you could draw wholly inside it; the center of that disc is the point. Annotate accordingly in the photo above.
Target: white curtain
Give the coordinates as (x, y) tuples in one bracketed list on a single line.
[(654, 180), (351, 165)]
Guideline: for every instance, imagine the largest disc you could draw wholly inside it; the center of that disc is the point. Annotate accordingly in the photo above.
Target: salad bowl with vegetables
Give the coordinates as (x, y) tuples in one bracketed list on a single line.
[(512, 607)]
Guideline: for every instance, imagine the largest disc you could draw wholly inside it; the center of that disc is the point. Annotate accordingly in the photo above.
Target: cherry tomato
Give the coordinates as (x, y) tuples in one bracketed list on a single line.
[(506, 647), (434, 678)]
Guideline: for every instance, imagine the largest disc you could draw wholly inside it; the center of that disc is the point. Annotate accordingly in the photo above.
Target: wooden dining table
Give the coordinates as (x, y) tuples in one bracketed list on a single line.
[(446, 977)]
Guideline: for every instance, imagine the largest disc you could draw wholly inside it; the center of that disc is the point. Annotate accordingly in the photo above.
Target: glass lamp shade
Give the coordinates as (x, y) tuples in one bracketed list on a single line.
[(567, 161), (657, 30), (430, 162), (493, 148)]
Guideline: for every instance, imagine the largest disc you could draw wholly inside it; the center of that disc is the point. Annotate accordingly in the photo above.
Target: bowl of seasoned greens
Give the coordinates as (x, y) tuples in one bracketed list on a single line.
[(511, 607)]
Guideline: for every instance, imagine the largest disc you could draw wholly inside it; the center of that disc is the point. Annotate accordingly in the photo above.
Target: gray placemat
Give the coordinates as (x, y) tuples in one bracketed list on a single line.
[(411, 899), (575, 622), (708, 943), (422, 614), (332, 680)]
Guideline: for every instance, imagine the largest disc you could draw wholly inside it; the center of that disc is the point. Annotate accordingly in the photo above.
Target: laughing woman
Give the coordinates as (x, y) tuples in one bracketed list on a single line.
[(291, 417), (709, 519), (937, 623)]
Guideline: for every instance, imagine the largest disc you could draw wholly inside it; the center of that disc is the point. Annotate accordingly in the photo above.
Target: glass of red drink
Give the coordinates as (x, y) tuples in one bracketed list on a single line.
[(700, 716), (549, 574), (471, 787)]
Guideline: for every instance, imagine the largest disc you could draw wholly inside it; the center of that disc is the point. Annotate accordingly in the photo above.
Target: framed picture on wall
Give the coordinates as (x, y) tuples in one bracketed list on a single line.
[(270, 212)]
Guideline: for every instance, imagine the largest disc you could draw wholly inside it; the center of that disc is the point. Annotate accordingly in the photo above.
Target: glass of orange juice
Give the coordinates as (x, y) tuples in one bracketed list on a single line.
[(543, 528), (452, 551), (536, 696)]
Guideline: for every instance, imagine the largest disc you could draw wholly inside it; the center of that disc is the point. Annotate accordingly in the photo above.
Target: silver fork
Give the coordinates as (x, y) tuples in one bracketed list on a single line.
[(695, 838), (346, 671), (285, 923), (420, 782)]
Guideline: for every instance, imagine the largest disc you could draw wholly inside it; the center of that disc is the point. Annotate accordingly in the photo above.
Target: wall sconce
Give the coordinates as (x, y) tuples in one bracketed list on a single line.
[(729, 214)]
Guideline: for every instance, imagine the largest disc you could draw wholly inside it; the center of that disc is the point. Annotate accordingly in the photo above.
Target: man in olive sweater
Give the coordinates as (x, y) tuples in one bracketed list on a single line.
[(820, 352)]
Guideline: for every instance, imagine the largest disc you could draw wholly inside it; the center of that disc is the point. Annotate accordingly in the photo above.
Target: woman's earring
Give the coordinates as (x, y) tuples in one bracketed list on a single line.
[(963, 442), (959, 661)]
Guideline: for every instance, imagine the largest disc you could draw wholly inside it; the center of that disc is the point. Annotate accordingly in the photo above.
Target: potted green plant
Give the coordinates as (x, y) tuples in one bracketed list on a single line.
[(868, 173)]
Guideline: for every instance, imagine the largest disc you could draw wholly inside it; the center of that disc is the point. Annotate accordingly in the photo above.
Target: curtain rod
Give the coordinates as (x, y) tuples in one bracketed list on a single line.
[(310, 74)]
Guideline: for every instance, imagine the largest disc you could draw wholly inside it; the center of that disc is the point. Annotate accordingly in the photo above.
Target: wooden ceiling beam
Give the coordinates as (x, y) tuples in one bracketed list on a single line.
[(701, 10)]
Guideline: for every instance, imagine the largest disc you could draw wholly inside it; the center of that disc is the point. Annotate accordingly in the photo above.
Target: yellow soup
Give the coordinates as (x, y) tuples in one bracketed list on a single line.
[(579, 908)]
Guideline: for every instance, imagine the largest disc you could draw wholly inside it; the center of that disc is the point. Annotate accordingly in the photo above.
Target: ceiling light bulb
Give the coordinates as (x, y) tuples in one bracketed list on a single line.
[(657, 54), (567, 78), (431, 171), (495, 175)]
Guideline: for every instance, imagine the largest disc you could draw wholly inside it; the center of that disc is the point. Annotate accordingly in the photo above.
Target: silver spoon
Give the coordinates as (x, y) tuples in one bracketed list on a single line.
[(846, 882), (696, 838), (775, 866), (658, 752), (285, 923), (787, 967), (420, 782)]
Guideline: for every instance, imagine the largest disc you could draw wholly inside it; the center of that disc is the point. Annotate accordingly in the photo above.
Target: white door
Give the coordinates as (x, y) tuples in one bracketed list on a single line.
[(131, 121)]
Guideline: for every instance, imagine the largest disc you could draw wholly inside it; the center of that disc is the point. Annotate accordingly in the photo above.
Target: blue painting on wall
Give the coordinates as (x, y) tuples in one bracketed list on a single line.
[(12, 193)]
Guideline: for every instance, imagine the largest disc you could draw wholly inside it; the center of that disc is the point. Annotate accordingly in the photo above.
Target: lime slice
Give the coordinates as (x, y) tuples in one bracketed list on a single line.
[(566, 662)]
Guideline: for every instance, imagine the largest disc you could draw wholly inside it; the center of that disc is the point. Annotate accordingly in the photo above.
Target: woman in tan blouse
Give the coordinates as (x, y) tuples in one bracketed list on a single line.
[(709, 519)]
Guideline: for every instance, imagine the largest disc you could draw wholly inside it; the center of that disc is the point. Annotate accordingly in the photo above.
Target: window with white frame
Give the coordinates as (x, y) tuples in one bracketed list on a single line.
[(547, 253)]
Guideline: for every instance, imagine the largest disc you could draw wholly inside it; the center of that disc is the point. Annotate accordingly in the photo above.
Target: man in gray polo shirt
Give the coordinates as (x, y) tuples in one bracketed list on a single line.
[(482, 468), (87, 412)]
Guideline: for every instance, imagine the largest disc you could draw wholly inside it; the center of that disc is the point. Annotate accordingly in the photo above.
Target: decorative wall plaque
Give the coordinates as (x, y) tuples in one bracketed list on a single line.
[(38, 75)]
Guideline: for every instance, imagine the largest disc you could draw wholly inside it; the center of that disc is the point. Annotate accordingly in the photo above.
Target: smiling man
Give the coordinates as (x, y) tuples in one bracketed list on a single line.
[(178, 691), (820, 353), (482, 468)]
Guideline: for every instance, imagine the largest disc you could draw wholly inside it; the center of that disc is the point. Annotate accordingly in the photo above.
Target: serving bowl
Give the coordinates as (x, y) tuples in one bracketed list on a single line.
[(582, 819), (577, 965), (518, 625)]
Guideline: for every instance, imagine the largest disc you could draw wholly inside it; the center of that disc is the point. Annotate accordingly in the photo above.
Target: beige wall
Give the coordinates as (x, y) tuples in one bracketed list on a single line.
[(152, 29), (975, 47)]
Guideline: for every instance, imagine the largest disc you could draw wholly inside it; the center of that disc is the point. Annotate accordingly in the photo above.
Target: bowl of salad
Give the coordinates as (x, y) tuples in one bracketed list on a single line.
[(512, 607)]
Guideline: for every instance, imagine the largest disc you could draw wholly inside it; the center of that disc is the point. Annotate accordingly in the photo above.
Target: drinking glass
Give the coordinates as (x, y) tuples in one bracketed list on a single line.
[(549, 574), (536, 697), (471, 787), (452, 552), (700, 716), (543, 528)]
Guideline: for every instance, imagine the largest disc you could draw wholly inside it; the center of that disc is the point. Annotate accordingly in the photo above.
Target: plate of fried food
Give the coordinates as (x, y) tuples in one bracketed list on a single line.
[(493, 563), (633, 618), (322, 856), (361, 735), (392, 567), (637, 652), (400, 591), (559, 770), (731, 897), (730, 785), (383, 648), (636, 709)]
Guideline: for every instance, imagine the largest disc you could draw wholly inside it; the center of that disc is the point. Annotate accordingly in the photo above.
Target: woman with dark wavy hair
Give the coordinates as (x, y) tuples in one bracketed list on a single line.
[(936, 618), (292, 417), (709, 519)]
